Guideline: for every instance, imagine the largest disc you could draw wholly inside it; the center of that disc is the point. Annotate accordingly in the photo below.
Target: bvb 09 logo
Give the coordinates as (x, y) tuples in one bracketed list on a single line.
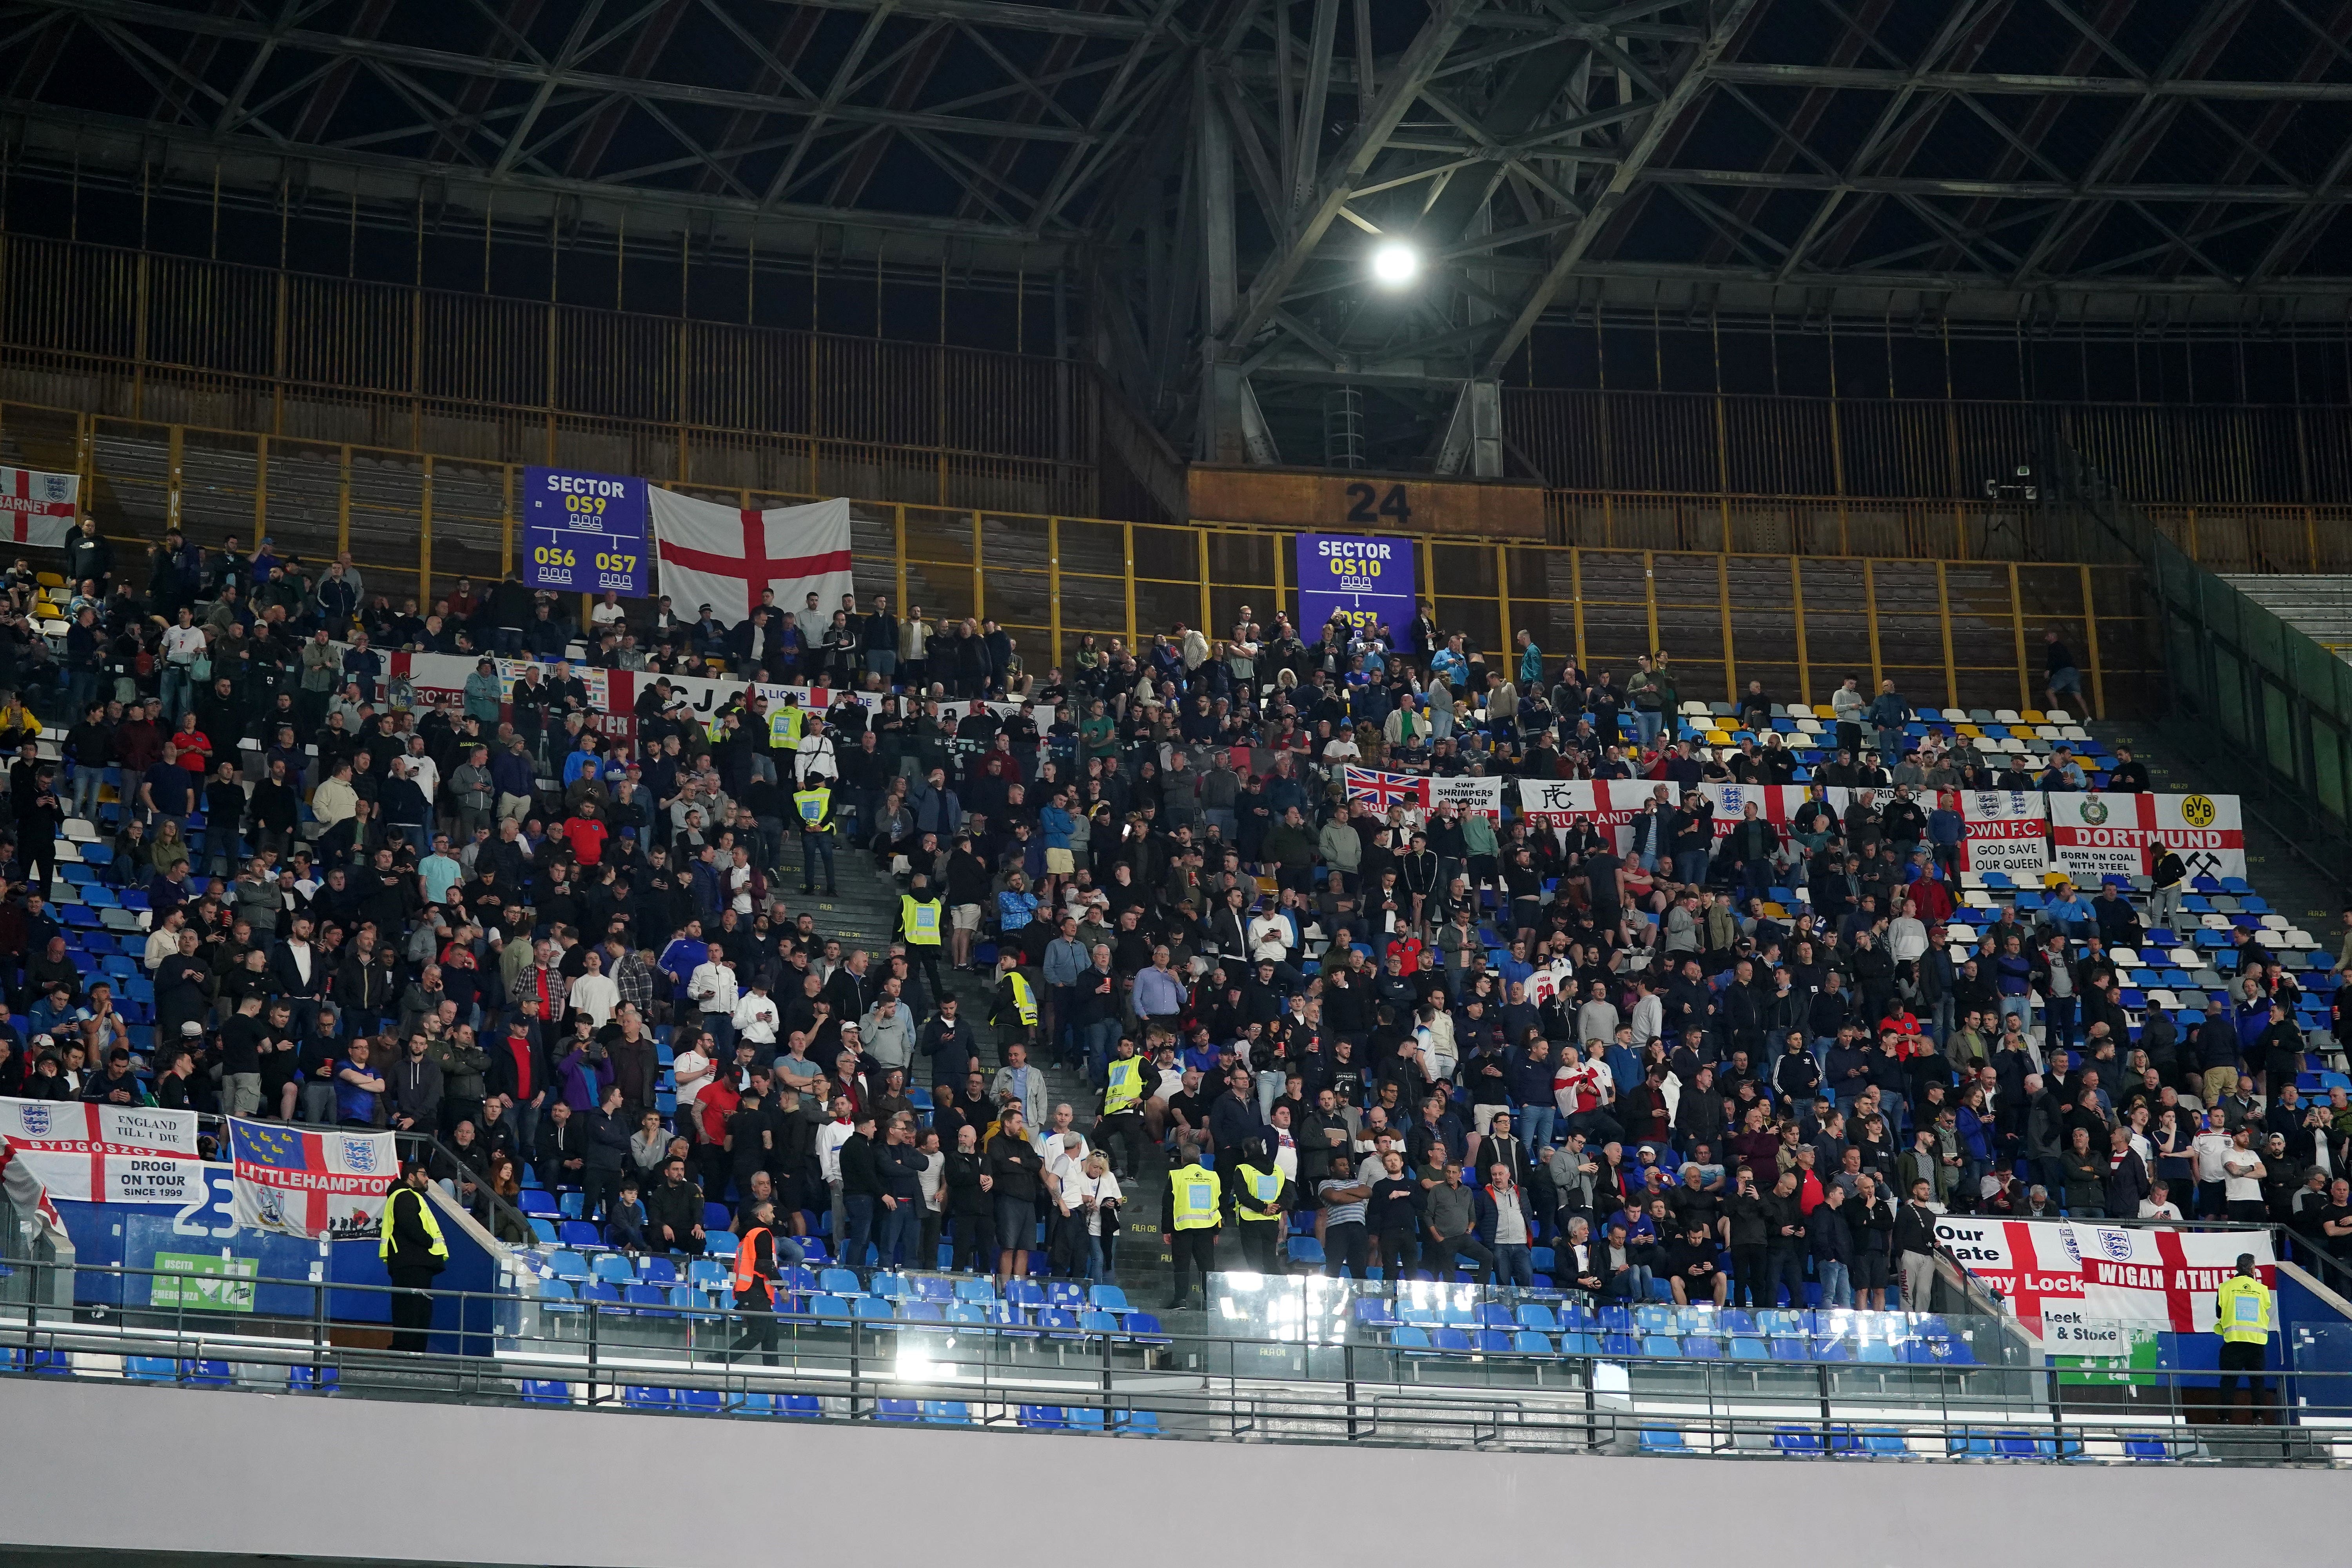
[(2196, 810)]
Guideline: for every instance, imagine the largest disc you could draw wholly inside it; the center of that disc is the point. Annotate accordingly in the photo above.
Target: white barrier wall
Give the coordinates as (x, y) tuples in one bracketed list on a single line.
[(441, 1483)]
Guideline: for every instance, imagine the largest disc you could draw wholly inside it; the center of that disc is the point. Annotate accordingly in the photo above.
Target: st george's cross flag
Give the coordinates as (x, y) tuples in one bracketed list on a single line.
[(723, 557), (298, 1181), (37, 507)]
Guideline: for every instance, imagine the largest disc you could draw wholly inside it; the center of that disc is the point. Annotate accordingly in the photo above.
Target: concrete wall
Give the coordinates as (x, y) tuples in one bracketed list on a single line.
[(367, 1479)]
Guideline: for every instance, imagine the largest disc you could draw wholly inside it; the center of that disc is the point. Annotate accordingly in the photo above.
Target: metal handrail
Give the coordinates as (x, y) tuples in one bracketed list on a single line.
[(1805, 1413)]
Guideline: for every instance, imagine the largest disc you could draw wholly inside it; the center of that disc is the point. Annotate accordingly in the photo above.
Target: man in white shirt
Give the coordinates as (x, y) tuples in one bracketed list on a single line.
[(2210, 1148), (2158, 1204), (593, 992), (713, 984), (183, 645), (829, 1139), (755, 1016), (693, 1070), (1907, 935), (164, 940), (814, 759), (1052, 1145)]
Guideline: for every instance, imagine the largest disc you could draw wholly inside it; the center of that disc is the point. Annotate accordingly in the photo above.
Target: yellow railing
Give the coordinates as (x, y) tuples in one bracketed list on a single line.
[(1950, 633)]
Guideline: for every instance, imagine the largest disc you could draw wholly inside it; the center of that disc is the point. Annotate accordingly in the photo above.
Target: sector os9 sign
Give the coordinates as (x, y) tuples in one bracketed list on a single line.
[(1367, 581), (585, 532)]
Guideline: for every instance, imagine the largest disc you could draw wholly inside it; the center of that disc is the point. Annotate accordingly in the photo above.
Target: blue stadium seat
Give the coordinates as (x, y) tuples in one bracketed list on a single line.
[(1664, 1440), (1043, 1418), (896, 1410), (638, 1397), (541, 1390), (946, 1413), (313, 1379), (702, 1401)]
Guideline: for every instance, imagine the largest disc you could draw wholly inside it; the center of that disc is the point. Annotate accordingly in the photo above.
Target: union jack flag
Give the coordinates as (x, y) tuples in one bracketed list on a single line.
[(1385, 790)]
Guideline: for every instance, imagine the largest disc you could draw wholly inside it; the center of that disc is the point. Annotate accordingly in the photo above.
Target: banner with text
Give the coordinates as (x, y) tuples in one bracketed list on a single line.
[(77, 1126), (613, 694), (2096, 835), (119, 1178), (2007, 830), (2070, 1280), (298, 1182), (1610, 806), (1423, 792), (106, 1154)]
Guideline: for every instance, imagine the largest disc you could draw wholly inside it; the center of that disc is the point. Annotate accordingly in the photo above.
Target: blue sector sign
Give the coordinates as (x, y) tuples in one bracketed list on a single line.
[(585, 532), (1368, 581)]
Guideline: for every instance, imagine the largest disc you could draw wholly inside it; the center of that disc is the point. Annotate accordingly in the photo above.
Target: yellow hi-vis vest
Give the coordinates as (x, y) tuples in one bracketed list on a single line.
[(2242, 1311), (424, 1213), (1126, 1086), (785, 726), (812, 805), (1193, 1195), (1024, 1000), (919, 920), (1263, 1186)]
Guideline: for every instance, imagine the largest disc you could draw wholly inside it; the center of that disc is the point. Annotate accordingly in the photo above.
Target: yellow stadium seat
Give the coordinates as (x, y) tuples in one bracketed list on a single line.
[(49, 580), (2033, 716)]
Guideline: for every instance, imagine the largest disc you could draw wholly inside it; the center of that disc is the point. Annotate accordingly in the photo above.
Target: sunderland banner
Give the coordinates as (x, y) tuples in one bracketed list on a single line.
[(2094, 835), (1423, 792), (2081, 1284), (298, 1181), (1610, 806)]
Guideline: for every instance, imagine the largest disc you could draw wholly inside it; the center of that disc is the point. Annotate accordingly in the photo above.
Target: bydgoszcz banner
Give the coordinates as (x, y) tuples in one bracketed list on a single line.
[(1381, 791), (106, 1154), (38, 508), (1367, 583), (2004, 830), (724, 556), (2092, 835), (2071, 1278), (298, 1182)]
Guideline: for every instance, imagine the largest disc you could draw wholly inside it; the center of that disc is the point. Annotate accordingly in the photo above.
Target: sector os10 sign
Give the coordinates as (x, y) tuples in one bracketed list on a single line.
[(1365, 582)]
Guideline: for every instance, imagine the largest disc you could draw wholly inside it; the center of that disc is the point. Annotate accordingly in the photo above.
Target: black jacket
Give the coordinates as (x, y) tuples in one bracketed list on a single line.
[(412, 1244)]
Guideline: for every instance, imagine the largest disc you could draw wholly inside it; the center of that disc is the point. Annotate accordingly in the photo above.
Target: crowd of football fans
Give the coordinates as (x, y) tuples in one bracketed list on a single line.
[(563, 940)]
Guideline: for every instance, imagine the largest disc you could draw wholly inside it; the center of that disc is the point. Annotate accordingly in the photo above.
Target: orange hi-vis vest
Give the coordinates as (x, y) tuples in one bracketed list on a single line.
[(747, 1257)]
